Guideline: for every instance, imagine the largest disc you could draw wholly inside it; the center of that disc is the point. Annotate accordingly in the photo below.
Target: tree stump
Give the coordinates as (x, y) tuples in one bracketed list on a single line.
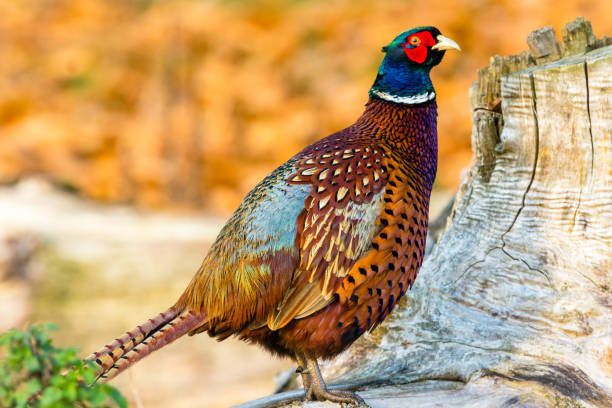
[(513, 307)]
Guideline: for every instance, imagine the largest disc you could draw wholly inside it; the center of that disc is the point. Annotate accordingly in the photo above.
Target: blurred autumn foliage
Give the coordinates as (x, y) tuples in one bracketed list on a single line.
[(188, 104)]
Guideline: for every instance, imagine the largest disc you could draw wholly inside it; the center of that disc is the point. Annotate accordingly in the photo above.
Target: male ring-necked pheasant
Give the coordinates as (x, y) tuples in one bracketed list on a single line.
[(324, 247)]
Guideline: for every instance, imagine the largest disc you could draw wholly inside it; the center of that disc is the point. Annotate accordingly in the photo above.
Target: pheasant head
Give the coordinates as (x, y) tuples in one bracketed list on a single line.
[(403, 75)]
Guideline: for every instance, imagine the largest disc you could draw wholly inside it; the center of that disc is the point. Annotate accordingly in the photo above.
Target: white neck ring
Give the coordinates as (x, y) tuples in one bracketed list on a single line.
[(409, 100)]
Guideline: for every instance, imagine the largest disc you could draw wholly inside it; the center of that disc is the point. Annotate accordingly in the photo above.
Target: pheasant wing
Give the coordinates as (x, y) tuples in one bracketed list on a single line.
[(338, 222)]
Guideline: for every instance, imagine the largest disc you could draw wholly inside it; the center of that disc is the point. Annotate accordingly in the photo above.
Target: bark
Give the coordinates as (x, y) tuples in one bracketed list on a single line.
[(513, 307)]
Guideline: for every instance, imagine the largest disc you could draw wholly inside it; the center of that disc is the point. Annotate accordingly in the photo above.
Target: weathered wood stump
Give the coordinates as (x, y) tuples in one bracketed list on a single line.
[(514, 305)]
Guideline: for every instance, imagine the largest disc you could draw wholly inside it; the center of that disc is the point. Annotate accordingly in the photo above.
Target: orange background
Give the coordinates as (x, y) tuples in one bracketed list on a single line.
[(187, 104)]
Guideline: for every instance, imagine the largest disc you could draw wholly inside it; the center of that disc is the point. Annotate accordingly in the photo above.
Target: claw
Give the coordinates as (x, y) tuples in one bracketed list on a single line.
[(318, 389)]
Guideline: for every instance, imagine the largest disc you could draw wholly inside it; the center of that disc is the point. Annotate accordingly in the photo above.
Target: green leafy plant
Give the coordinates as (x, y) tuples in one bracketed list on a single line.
[(34, 373)]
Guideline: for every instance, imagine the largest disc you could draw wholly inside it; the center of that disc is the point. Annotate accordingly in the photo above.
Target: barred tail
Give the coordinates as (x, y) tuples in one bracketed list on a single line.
[(163, 329)]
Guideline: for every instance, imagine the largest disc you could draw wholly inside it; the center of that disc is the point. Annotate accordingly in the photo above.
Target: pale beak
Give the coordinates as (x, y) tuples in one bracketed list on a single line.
[(445, 43)]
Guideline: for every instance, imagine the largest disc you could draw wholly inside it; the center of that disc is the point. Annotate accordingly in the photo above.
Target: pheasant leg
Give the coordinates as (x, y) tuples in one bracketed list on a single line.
[(319, 390), (306, 376)]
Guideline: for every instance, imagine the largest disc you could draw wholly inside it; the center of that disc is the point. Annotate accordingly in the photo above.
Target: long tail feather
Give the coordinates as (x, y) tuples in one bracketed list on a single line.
[(141, 341)]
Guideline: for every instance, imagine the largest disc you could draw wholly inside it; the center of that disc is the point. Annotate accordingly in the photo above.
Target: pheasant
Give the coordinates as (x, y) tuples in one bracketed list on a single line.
[(323, 248)]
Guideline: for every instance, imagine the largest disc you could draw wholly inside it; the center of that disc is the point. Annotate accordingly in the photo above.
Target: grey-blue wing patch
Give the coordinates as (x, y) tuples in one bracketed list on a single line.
[(266, 220)]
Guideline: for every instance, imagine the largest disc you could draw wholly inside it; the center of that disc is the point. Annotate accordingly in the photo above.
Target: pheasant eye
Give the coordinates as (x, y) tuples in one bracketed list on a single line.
[(415, 41)]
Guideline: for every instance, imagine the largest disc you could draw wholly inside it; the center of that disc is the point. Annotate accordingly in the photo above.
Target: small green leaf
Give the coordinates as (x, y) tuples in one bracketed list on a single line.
[(70, 391), (89, 376), (97, 396), (33, 386), (117, 397), (50, 396), (50, 327), (32, 364), (21, 399)]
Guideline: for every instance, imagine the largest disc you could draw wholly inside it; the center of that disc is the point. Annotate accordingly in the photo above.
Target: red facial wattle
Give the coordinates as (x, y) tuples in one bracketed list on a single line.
[(418, 53)]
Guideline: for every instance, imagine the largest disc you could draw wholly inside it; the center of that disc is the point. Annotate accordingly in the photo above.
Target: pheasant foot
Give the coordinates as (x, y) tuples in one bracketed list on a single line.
[(318, 389)]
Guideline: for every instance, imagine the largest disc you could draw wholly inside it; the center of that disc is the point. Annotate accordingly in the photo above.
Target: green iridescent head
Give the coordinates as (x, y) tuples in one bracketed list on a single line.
[(403, 76)]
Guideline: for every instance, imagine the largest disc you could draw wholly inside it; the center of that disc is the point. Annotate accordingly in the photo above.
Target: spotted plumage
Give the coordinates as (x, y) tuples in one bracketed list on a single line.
[(323, 248)]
